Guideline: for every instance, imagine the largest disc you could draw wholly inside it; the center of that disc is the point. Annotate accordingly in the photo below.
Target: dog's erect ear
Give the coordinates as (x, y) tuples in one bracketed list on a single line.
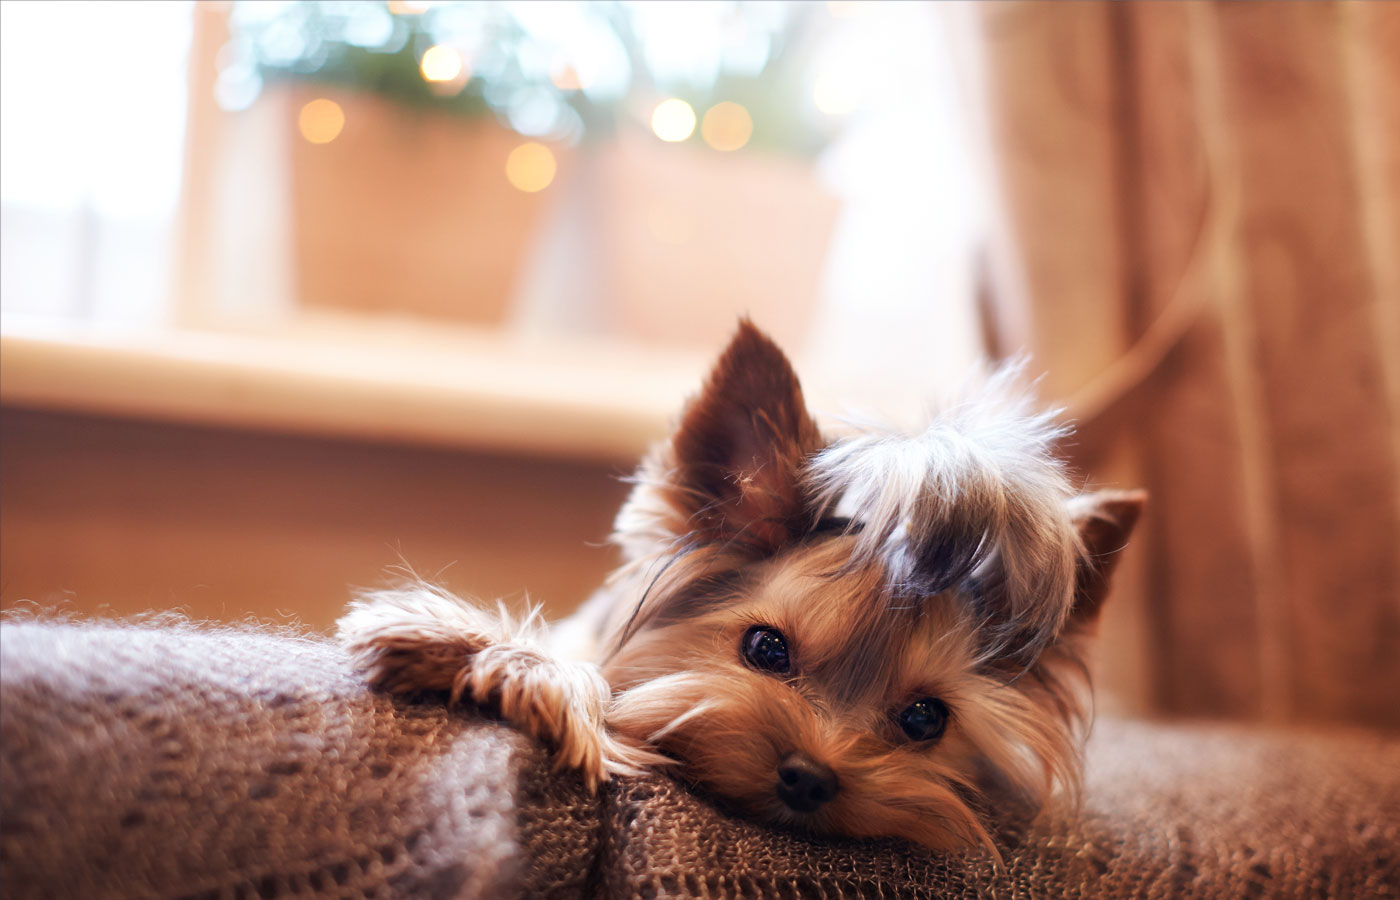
[(1104, 520), (736, 458)]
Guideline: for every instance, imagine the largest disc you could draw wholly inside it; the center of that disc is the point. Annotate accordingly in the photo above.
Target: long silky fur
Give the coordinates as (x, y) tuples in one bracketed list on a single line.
[(681, 687), (977, 493)]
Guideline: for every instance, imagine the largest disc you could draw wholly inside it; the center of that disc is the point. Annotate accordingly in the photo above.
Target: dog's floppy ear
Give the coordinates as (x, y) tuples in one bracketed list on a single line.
[(731, 471), (1104, 520)]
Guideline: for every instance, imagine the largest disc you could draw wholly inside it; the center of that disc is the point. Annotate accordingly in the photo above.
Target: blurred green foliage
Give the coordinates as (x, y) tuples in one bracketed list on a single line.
[(514, 52)]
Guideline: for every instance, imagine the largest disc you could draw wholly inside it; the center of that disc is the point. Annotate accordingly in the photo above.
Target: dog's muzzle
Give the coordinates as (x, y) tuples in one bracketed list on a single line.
[(804, 785)]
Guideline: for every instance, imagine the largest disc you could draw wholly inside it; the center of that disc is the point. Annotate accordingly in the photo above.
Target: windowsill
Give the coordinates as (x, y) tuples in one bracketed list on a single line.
[(580, 398)]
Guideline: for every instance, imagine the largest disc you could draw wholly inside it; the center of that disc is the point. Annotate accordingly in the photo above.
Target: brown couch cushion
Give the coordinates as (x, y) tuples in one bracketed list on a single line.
[(170, 762)]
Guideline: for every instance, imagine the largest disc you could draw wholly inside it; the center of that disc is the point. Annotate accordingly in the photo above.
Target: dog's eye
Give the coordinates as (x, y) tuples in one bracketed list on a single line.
[(832, 525), (924, 719), (765, 649)]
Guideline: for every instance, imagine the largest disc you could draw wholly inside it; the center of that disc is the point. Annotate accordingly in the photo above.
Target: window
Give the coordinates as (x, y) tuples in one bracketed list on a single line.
[(387, 187)]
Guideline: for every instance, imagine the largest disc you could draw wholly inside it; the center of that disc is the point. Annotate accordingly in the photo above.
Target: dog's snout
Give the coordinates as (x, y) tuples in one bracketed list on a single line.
[(804, 785)]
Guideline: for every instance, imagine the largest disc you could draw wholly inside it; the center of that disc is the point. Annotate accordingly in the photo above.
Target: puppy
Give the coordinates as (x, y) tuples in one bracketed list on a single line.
[(876, 635)]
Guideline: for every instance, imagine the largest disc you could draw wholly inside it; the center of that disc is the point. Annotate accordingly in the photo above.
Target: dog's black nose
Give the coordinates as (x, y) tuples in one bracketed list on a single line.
[(805, 785)]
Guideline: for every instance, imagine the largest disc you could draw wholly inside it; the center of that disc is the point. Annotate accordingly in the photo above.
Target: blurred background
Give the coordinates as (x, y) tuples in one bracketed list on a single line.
[(294, 292)]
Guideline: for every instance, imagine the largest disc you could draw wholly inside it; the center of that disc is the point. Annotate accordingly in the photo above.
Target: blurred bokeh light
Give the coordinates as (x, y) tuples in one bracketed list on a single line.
[(440, 63), (673, 120), (530, 167), (727, 126), (321, 120)]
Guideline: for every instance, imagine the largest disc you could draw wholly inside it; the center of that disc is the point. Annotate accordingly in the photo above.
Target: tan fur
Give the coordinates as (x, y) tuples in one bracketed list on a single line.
[(961, 568)]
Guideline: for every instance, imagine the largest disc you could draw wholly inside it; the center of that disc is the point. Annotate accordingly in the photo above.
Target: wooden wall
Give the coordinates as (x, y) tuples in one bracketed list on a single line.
[(116, 516)]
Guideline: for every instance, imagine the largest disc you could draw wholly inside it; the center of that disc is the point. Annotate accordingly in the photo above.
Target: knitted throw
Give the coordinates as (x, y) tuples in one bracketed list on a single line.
[(176, 762)]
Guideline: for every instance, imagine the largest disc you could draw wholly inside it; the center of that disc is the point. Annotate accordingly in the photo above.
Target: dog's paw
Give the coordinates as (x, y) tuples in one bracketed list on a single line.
[(422, 638), (562, 703)]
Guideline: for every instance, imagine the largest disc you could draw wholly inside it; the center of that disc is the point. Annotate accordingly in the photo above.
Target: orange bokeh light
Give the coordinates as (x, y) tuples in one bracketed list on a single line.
[(531, 167), (727, 126), (321, 121)]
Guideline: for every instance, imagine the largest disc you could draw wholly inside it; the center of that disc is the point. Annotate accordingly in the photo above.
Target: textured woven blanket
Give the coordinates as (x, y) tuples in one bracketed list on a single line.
[(174, 762)]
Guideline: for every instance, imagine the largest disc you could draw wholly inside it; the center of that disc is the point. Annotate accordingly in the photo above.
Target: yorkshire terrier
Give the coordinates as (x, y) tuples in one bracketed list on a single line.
[(868, 636)]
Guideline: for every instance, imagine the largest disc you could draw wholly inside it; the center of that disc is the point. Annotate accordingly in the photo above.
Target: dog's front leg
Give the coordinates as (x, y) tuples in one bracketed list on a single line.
[(424, 639)]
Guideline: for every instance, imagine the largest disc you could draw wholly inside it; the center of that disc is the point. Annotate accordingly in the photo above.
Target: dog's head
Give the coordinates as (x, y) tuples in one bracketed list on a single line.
[(857, 637)]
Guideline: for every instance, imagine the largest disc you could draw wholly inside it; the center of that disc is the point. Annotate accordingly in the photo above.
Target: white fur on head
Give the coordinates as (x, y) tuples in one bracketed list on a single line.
[(977, 495)]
